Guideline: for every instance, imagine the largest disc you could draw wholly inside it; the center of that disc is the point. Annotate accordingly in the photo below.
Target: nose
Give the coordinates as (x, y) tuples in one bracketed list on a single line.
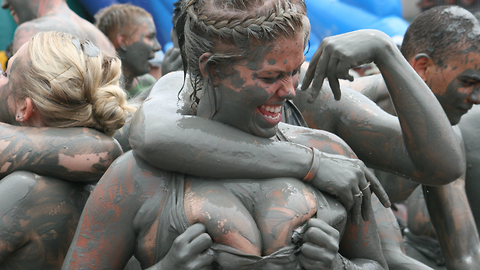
[(156, 45), (475, 95), (287, 88)]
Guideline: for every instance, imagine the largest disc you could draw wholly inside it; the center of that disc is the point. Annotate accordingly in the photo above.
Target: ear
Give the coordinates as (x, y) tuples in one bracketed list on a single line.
[(24, 109), (422, 63), (121, 41), (208, 71)]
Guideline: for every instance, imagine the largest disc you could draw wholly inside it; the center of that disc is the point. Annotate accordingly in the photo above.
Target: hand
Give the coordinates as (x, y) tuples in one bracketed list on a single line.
[(350, 181), (172, 61), (338, 54), (190, 251), (320, 245)]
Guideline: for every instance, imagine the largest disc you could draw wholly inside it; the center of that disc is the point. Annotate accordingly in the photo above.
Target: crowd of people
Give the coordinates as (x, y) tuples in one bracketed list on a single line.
[(241, 156)]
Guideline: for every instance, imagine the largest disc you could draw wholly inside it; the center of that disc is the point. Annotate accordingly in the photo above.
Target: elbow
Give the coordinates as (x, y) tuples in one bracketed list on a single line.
[(445, 175), (454, 168)]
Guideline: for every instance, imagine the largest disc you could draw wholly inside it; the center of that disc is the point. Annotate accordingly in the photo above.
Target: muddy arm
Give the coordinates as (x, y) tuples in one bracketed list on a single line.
[(74, 154), (377, 138), (194, 145)]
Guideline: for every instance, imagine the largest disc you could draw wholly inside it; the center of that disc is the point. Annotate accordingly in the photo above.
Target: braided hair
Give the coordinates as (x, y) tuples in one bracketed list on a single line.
[(234, 25)]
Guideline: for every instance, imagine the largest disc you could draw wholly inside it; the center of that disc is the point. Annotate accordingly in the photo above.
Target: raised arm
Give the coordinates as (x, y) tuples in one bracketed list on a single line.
[(423, 146), (74, 154)]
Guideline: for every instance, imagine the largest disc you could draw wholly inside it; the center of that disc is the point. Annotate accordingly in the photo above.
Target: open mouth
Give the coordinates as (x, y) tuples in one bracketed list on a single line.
[(272, 113)]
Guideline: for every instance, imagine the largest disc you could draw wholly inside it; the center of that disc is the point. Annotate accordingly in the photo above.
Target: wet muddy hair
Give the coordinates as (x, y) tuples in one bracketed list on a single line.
[(441, 32), (229, 28), (71, 83), (118, 18)]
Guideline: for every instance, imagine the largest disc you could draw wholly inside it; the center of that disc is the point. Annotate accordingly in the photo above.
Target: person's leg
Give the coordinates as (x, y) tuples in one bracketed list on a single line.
[(391, 239)]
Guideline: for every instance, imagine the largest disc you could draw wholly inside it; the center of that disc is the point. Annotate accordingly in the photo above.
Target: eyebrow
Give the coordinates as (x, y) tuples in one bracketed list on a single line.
[(469, 77), (279, 70)]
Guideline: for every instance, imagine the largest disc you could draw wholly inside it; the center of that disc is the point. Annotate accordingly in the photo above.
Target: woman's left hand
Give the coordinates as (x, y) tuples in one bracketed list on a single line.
[(320, 245), (338, 54)]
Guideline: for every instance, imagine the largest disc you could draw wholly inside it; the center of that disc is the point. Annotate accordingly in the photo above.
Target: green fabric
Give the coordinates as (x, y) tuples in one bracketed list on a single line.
[(144, 82), (8, 28)]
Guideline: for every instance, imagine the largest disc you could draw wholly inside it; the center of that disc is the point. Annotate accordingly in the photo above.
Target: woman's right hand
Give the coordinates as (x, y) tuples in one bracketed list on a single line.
[(190, 251), (350, 181)]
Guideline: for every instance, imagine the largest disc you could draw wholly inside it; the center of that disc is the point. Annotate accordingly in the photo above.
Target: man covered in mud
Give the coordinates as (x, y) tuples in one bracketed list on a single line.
[(33, 16), (132, 32), (442, 45)]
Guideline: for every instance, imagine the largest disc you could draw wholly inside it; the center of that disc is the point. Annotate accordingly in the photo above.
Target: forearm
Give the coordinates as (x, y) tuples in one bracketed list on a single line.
[(420, 116), (201, 147), (75, 154), (451, 216), (167, 135)]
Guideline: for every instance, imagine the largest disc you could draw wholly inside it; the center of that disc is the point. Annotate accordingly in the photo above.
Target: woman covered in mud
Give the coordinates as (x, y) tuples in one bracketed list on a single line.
[(56, 82), (241, 77)]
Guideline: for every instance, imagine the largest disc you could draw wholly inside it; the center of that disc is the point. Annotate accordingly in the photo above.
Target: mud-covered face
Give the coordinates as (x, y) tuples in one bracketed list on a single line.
[(21, 10), (251, 97), (141, 47), (456, 85)]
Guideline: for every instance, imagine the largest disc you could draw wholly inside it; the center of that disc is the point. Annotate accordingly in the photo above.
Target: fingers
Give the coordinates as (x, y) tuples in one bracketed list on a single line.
[(367, 201), (311, 69), (333, 79), (192, 232), (357, 206), (201, 243), (377, 188), (321, 243), (191, 248), (322, 260), (196, 238), (319, 75)]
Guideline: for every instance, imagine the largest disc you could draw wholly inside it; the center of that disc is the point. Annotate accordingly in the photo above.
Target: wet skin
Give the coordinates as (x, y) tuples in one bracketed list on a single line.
[(19, 11), (261, 209), (253, 92), (456, 85), (131, 186), (469, 125), (39, 213), (52, 15), (76, 154), (141, 47), (376, 136), (39, 218)]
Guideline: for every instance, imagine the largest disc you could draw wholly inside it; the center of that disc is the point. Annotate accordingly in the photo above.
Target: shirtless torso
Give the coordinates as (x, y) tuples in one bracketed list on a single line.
[(52, 15)]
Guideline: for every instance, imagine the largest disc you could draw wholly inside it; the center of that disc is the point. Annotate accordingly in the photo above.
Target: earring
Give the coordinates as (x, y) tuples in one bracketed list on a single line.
[(19, 118), (123, 47)]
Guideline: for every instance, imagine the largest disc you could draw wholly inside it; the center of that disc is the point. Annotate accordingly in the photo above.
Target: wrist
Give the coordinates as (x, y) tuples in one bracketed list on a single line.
[(314, 165)]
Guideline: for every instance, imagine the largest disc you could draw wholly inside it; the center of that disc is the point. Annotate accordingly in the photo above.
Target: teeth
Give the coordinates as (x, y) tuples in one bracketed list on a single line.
[(273, 118), (272, 109)]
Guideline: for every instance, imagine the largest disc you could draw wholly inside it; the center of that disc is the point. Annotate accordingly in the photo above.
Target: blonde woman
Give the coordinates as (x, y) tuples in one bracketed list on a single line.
[(56, 80)]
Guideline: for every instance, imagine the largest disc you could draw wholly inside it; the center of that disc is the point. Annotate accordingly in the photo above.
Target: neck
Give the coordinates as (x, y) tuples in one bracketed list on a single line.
[(47, 7)]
